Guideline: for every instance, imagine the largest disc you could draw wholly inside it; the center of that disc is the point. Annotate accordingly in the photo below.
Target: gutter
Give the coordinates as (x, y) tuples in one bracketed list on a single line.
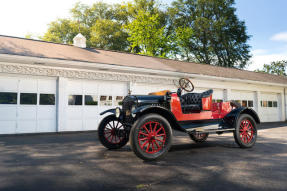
[(117, 68), (285, 104)]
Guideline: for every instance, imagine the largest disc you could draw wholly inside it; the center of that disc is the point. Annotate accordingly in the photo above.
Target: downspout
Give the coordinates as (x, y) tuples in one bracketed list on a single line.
[(285, 104)]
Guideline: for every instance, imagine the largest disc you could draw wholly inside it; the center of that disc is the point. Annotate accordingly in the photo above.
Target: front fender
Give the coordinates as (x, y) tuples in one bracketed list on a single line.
[(113, 111), (230, 120)]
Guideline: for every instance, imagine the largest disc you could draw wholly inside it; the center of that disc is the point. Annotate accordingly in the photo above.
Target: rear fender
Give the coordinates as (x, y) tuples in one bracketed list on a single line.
[(140, 111), (230, 120)]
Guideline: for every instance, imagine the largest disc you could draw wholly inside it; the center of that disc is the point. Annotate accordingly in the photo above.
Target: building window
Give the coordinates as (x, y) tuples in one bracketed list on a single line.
[(28, 99), (75, 100), (250, 103), (238, 101), (106, 100), (47, 99), (8, 98), (274, 103), (119, 100), (265, 103), (269, 103), (91, 100), (244, 103)]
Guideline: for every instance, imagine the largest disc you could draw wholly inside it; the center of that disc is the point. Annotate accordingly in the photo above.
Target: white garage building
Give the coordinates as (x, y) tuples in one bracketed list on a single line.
[(48, 87)]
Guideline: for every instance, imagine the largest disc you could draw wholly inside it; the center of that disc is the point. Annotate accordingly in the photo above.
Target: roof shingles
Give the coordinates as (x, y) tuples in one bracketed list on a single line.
[(34, 48)]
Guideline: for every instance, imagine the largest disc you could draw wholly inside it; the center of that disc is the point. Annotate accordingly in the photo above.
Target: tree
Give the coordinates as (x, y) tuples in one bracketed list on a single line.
[(63, 31), (215, 34), (148, 29), (97, 23), (108, 34), (276, 67)]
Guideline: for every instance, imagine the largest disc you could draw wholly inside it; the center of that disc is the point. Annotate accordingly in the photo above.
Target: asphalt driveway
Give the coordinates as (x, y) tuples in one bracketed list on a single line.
[(78, 162)]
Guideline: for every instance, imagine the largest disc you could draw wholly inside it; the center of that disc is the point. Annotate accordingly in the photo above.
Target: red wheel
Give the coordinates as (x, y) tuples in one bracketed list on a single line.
[(112, 133), (246, 131), (151, 137), (198, 137)]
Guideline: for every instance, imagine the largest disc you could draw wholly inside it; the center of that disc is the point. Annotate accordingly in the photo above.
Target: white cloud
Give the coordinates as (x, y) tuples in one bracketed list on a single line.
[(258, 51), (18, 18), (258, 60), (280, 37)]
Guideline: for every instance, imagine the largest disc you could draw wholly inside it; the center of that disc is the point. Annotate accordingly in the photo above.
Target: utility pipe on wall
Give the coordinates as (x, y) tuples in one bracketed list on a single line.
[(285, 103)]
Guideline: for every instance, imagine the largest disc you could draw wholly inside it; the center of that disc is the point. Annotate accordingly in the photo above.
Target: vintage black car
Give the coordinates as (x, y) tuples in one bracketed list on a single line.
[(147, 121)]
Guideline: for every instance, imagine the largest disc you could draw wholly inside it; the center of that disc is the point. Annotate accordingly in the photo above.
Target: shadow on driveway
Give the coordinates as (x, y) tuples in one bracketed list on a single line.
[(78, 162)]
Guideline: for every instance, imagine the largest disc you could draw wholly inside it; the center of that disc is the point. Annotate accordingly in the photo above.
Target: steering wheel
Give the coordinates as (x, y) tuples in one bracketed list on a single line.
[(186, 84)]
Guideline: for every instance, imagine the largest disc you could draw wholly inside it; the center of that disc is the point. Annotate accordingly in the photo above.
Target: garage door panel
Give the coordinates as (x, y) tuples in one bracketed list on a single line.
[(90, 87), (47, 86), (270, 114), (91, 124), (46, 126), (105, 88), (8, 127), (8, 112), (74, 125), (75, 87), (46, 112), (74, 112), (8, 84), (90, 112), (26, 112), (26, 126), (21, 117), (28, 85)]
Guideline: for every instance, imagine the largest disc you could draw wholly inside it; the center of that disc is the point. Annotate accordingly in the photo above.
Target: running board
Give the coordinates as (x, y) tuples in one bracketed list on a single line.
[(201, 130)]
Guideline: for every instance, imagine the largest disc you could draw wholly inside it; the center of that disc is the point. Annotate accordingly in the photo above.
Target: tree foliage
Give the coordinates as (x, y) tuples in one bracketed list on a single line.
[(205, 31), (275, 67), (213, 33)]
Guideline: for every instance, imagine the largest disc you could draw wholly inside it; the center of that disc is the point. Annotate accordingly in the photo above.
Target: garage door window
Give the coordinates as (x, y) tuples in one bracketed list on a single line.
[(244, 103), (91, 100), (119, 100), (106, 100), (28, 99), (47, 99), (269, 104), (217, 100), (75, 100), (8, 98), (250, 103)]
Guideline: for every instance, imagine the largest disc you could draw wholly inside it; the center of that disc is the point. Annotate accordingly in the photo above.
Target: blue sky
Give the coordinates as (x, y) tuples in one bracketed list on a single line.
[(265, 21)]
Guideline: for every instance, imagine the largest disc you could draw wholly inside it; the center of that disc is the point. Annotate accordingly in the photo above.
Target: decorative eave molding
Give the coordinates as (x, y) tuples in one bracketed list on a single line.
[(149, 73), (24, 69)]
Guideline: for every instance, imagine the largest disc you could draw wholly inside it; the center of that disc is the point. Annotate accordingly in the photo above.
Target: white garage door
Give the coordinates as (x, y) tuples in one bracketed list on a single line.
[(86, 99), (27, 105), (270, 107), (245, 98)]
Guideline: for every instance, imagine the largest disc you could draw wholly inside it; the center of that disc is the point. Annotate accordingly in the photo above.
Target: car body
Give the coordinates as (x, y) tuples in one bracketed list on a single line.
[(147, 121)]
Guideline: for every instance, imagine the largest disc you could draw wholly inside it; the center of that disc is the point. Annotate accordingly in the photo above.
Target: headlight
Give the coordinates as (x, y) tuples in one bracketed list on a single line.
[(118, 112), (133, 114)]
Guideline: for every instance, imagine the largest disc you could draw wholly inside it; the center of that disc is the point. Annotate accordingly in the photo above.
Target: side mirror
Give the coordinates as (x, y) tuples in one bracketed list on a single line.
[(179, 90)]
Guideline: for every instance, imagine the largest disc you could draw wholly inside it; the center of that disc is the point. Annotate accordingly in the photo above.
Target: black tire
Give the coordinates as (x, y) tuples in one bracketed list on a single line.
[(198, 137), (158, 134), (111, 133), (245, 133)]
